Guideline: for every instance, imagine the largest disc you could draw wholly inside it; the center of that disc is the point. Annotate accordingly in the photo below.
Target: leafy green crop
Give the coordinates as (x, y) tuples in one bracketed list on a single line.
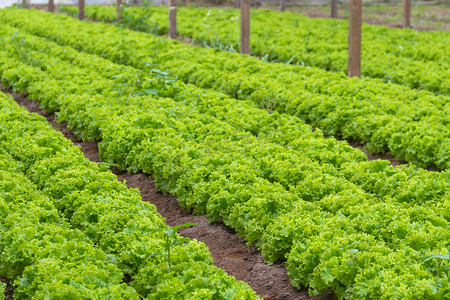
[(400, 56), (337, 219), (411, 124), (38, 248), (70, 230), (2, 290)]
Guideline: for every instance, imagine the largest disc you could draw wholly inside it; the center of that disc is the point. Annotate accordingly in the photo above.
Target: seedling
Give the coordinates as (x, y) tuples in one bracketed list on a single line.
[(172, 238)]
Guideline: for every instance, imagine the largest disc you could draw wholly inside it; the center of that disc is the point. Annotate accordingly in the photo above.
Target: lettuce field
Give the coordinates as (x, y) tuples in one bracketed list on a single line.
[(259, 145), (412, 124), (393, 55)]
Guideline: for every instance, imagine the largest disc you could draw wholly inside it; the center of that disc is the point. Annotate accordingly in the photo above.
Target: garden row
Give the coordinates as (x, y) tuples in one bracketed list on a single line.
[(412, 124), (363, 228), (402, 56), (70, 230)]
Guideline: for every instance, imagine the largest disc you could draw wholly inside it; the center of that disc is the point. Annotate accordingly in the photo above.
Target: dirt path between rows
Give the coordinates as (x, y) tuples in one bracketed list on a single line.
[(9, 289), (230, 252)]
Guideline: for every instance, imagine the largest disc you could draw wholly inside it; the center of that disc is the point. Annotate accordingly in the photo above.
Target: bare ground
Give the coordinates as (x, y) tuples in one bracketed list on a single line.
[(386, 156), (229, 252), (9, 289)]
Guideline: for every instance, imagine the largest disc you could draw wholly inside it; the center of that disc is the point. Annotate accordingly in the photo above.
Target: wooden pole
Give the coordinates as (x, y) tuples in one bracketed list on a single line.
[(118, 10), (51, 6), (334, 8), (81, 9), (282, 5), (354, 38), (406, 13), (245, 26), (173, 19)]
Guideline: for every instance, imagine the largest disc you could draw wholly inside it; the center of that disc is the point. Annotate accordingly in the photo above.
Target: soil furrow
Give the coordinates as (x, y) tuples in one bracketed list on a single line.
[(9, 289), (355, 144), (229, 252)]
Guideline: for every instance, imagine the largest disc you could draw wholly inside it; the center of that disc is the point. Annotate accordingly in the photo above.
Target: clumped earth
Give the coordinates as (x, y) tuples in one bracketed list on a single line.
[(229, 252), (9, 289)]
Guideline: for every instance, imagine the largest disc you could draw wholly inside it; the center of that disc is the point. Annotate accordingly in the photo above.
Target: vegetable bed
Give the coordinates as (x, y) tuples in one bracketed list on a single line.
[(411, 124), (402, 56), (366, 229), (70, 230)]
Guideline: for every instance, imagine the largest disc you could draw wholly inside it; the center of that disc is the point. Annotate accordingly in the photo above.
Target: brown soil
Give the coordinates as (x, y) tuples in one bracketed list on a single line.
[(386, 156), (89, 149), (228, 250), (9, 289)]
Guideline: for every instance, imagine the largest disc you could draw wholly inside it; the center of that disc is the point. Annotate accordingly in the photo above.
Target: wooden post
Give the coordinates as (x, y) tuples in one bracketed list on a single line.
[(81, 9), (282, 5), (118, 10), (354, 38), (334, 8), (25, 3), (51, 6), (245, 26), (406, 13), (173, 19)]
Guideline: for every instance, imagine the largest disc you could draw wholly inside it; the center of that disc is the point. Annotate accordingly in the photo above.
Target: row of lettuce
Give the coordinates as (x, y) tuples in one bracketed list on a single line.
[(402, 56), (366, 229), (411, 124), (70, 230)]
